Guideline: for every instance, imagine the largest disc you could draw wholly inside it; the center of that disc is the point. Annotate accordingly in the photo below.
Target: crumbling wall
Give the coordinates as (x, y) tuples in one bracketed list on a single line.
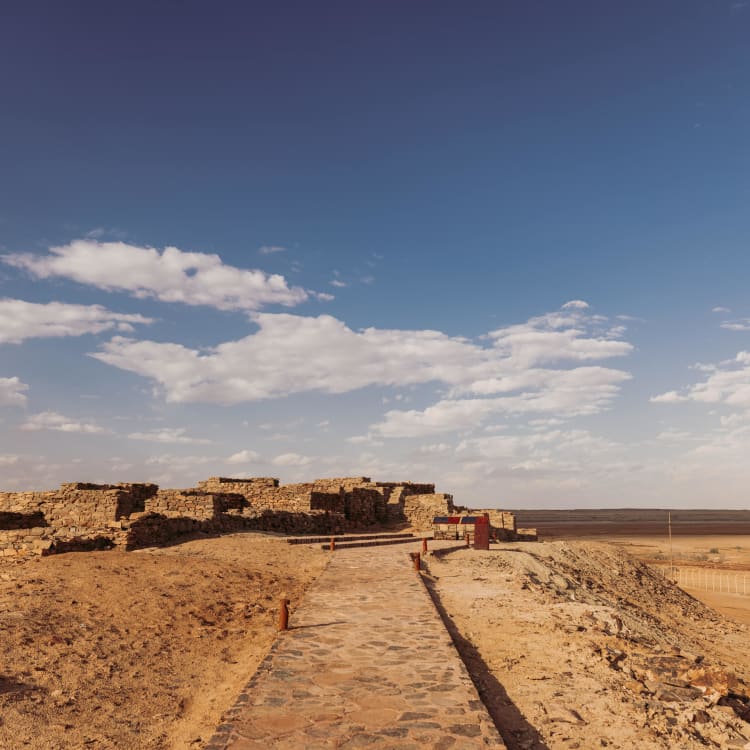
[(193, 503), (232, 484), (421, 509), (395, 493), (92, 516), (78, 513)]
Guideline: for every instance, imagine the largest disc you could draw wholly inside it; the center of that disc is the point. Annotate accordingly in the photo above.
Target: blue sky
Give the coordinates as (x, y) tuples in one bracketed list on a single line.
[(501, 246)]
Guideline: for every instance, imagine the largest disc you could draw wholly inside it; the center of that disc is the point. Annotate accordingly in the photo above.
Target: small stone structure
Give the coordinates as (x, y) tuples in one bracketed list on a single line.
[(82, 516)]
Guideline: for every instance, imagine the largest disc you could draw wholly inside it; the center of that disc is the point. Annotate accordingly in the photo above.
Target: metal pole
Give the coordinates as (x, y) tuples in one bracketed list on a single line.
[(671, 555)]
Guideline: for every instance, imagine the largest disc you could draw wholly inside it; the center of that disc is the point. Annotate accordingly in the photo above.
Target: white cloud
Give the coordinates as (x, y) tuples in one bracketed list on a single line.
[(271, 249), (292, 459), (8, 460), (435, 449), (728, 383), (566, 393), (295, 354), (168, 435), (736, 325), (672, 435), (337, 283), (576, 304), (670, 397), (52, 420), (20, 320), (720, 310), (170, 276), (12, 392), (178, 462), (243, 457), (555, 337)]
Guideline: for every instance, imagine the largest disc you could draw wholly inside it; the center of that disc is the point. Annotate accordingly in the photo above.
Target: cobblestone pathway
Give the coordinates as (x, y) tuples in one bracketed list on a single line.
[(367, 663)]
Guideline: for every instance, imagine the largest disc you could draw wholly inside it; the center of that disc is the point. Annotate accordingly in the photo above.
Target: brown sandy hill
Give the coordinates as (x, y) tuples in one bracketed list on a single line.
[(579, 645), (140, 649)]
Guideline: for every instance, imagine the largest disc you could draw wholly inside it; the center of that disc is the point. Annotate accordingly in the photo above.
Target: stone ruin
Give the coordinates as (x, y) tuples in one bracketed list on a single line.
[(82, 516)]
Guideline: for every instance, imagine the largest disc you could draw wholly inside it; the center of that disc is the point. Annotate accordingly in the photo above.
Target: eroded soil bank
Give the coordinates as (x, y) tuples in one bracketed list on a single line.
[(579, 645), (139, 649)]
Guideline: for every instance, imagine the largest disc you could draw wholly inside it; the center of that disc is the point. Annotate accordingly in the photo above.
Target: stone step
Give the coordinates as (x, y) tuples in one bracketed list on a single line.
[(375, 543), (347, 537)]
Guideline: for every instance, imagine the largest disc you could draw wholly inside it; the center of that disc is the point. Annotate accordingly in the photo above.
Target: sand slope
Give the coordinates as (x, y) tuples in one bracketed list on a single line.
[(140, 649), (579, 645)]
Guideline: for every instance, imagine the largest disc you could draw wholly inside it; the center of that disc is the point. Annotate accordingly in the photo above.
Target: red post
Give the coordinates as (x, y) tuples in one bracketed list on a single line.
[(416, 558), (333, 543), (284, 614), (424, 546)]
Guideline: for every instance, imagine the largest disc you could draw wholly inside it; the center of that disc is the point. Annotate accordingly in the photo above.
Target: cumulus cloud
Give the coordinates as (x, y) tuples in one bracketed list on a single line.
[(295, 354), (292, 459), (170, 275), (566, 393), (243, 457), (168, 435), (12, 392), (728, 382), (20, 320), (52, 420), (559, 461)]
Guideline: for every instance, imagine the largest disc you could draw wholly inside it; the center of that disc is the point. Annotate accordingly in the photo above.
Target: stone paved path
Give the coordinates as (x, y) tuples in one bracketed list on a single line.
[(367, 663)]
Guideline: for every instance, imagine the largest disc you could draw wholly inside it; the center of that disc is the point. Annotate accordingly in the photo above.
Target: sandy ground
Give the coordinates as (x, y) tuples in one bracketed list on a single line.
[(139, 649), (579, 645), (724, 552), (572, 644)]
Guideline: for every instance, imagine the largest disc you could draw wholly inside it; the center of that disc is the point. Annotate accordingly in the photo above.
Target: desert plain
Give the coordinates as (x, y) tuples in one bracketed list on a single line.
[(576, 641)]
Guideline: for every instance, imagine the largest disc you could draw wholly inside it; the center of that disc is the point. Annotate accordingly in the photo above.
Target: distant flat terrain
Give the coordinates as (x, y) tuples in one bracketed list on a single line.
[(632, 521)]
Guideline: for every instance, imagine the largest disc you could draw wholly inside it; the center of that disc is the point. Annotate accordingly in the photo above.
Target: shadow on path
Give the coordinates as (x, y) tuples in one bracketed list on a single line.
[(516, 731)]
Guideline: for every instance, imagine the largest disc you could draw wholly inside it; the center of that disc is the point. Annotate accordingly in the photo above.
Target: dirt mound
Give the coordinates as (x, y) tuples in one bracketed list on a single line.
[(579, 645), (140, 649)]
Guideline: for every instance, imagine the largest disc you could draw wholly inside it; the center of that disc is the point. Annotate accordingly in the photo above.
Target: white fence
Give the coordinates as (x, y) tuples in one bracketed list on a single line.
[(708, 579)]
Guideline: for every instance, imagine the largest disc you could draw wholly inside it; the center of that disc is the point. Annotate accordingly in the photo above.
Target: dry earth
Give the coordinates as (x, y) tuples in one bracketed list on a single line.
[(572, 644), (579, 645), (139, 649), (724, 553)]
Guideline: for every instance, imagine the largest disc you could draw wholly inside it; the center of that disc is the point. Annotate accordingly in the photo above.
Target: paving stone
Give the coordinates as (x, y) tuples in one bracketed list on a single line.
[(367, 663)]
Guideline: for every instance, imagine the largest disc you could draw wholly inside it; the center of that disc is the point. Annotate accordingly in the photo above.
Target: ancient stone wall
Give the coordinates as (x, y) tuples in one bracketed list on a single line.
[(92, 516), (421, 509), (230, 484), (193, 503)]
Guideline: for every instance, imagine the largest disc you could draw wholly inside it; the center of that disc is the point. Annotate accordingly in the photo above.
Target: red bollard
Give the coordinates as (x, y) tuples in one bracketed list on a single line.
[(416, 558), (284, 614), (333, 543), (424, 546)]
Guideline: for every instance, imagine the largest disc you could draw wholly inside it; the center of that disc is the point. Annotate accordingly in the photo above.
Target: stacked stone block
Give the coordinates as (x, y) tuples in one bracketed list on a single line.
[(91, 516), (420, 510)]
